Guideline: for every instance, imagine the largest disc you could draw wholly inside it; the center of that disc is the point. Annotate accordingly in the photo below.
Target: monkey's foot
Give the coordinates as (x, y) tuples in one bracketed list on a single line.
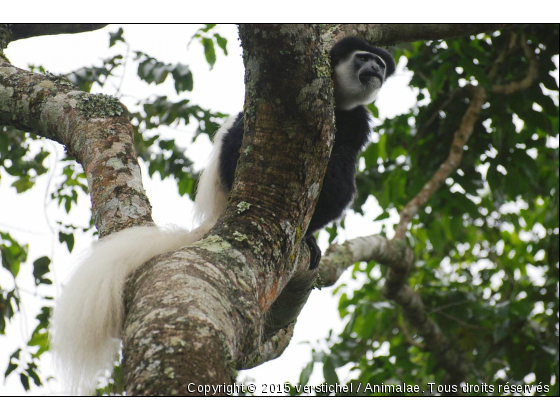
[(314, 250)]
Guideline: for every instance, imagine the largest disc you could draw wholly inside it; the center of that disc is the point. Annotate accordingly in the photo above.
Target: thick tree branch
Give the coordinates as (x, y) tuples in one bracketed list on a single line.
[(416, 314), (23, 31), (293, 114), (395, 33), (95, 130), (369, 248), (199, 312), (191, 316)]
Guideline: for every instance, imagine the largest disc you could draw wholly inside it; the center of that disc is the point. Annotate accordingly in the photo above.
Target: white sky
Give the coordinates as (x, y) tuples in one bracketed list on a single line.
[(25, 216)]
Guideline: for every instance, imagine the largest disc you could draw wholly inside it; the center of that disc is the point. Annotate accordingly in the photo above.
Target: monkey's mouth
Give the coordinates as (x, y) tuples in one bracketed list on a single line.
[(367, 75)]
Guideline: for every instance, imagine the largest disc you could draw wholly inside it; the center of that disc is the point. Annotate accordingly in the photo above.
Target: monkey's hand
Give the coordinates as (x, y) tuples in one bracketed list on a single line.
[(314, 250)]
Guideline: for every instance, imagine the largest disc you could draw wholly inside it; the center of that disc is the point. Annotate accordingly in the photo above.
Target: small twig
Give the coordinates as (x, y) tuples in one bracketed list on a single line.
[(501, 56), (126, 57), (463, 323), (449, 305), (530, 78), (408, 337)]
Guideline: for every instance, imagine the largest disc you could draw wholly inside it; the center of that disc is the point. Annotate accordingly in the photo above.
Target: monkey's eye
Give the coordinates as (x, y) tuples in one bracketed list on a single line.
[(362, 58)]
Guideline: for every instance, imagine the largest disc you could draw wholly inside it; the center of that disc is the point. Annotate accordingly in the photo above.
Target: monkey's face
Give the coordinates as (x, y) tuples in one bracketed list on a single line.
[(357, 79)]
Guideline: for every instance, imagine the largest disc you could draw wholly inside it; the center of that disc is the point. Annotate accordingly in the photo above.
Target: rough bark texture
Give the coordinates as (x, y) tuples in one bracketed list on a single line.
[(288, 108), (191, 315), (199, 312), (95, 130)]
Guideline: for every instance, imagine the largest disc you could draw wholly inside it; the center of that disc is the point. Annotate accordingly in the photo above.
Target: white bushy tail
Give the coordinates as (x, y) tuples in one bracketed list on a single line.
[(211, 196), (88, 318)]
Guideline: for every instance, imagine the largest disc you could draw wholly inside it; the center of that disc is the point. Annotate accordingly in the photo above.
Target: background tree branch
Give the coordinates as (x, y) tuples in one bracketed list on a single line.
[(395, 33), (24, 31)]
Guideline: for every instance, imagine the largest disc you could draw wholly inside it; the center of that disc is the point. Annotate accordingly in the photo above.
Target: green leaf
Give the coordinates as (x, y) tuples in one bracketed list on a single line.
[(11, 368), (222, 43), (306, 373), (23, 184), (115, 37), (31, 371), (329, 372), (209, 51), (68, 239), (207, 27), (24, 381), (40, 268)]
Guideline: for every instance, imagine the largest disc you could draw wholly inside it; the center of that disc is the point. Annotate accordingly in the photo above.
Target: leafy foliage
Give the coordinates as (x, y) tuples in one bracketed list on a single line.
[(23, 362), (18, 160), (153, 71), (207, 41), (487, 244)]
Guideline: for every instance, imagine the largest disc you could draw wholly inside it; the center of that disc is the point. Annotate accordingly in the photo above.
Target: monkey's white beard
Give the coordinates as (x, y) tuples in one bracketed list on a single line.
[(349, 91)]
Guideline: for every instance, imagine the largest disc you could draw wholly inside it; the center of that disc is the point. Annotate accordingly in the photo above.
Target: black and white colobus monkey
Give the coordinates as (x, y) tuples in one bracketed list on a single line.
[(88, 317), (359, 72)]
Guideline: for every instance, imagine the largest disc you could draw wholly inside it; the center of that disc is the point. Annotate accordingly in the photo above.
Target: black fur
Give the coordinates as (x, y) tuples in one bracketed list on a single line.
[(229, 154), (352, 133)]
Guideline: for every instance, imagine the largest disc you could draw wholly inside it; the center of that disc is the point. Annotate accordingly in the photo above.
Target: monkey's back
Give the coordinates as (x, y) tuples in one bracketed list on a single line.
[(352, 133)]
